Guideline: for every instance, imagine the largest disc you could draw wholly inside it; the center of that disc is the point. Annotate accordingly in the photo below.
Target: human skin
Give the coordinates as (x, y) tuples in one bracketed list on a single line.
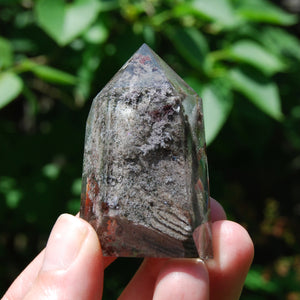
[(72, 267)]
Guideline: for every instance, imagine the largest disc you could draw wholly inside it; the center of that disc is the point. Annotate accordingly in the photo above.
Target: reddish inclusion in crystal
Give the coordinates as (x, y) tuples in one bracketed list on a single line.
[(157, 115), (88, 201), (91, 184), (144, 58), (111, 228)]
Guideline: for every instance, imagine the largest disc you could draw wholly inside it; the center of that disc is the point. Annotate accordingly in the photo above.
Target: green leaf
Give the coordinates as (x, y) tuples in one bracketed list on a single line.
[(10, 87), (13, 198), (24, 45), (51, 171), (53, 75), (190, 43), (91, 59), (64, 22), (264, 11), (97, 34), (259, 90), (48, 73), (6, 56), (280, 42), (149, 35), (256, 282), (76, 186), (218, 11), (217, 104), (253, 54)]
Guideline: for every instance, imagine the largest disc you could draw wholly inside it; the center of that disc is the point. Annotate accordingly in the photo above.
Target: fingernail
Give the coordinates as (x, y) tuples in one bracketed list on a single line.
[(64, 244)]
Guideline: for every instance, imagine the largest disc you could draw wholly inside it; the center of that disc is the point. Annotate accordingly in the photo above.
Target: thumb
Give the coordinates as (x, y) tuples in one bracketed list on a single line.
[(73, 264)]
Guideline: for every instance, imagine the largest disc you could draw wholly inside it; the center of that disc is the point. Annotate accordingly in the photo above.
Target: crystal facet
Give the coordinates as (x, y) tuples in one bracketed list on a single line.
[(145, 182)]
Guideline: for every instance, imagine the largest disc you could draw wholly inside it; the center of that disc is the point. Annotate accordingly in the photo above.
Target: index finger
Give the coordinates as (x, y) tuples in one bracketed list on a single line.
[(24, 282)]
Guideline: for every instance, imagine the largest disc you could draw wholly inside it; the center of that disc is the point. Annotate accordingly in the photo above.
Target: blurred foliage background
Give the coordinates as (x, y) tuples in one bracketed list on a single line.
[(241, 56)]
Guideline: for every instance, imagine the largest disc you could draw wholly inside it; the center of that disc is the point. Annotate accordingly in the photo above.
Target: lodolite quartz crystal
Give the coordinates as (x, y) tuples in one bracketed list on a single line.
[(145, 182)]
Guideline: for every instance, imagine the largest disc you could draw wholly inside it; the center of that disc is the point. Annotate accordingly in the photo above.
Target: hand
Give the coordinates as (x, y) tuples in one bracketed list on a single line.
[(71, 267)]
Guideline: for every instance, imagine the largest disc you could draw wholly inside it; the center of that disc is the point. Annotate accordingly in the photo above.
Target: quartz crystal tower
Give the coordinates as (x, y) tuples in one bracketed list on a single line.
[(145, 182)]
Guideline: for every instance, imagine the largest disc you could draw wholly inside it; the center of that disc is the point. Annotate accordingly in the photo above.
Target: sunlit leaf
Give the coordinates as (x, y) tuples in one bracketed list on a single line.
[(259, 90), (252, 53), (217, 104), (10, 87), (48, 73), (63, 22), (53, 75), (218, 11), (97, 34), (264, 11)]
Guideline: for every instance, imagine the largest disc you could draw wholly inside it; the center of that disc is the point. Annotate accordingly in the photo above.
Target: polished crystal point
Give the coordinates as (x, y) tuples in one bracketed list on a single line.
[(145, 182)]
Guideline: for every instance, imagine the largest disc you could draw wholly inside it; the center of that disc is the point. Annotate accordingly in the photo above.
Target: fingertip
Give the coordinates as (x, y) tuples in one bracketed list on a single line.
[(73, 262), (231, 243), (233, 255), (182, 279), (66, 240)]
